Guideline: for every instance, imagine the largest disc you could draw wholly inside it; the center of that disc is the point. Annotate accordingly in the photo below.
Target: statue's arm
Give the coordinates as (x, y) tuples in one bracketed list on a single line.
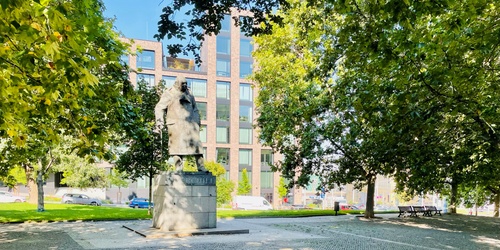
[(161, 109), (196, 115)]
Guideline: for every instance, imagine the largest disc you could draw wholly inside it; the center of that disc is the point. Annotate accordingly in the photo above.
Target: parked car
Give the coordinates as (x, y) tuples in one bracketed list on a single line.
[(9, 197), (139, 203), (80, 199)]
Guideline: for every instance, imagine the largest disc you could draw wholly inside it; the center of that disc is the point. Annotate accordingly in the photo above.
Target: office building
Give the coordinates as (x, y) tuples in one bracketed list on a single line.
[(224, 97)]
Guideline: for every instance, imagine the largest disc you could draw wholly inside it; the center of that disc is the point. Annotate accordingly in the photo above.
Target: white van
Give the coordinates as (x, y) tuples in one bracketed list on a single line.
[(251, 203)]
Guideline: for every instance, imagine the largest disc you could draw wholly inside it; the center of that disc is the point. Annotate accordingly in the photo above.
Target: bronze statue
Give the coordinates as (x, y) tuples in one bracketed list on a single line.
[(183, 123)]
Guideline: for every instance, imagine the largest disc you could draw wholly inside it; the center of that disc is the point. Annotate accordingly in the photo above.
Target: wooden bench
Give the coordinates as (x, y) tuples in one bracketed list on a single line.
[(433, 209), (423, 210), (404, 210)]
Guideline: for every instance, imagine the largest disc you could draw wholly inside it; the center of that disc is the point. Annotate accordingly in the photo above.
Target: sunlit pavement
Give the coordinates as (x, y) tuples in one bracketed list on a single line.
[(330, 232)]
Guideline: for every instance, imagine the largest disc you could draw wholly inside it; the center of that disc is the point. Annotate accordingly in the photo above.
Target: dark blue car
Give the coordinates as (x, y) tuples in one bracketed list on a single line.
[(139, 203)]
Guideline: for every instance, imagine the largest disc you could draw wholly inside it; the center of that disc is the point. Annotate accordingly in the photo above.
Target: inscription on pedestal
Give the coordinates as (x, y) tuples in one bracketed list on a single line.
[(194, 179), (184, 201)]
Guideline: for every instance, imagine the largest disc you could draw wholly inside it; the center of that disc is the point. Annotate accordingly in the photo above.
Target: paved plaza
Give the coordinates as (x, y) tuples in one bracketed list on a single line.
[(329, 232)]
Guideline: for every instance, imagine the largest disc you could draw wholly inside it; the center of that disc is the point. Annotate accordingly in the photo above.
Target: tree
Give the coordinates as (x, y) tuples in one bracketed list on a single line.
[(118, 179), (394, 74), (60, 76), (206, 19), (14, 177), (244, 186), (282, 188), (79, 173), (147, 150), (224, 187)]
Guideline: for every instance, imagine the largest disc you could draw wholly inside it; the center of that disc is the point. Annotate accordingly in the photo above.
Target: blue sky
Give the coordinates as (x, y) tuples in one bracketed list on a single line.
[(135, 19)]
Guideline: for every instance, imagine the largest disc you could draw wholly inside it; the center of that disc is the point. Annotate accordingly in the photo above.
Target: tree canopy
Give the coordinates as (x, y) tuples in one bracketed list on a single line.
[(60, 76), (402, 88)]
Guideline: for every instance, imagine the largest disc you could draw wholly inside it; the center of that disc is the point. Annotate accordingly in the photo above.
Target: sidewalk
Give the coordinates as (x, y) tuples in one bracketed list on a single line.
[(330, 232)]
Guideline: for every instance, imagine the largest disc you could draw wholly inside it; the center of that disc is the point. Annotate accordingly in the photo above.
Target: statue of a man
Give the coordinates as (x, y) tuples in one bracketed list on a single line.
[(183, 123)]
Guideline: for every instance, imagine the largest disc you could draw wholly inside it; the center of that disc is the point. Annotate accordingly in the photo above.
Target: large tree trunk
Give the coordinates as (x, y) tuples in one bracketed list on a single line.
[(497, 204), (370, 197), (31, 183), (453, 198), (39, 182)]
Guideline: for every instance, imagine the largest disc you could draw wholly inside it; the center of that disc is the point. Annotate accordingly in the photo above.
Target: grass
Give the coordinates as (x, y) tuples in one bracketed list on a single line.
[(280, 213), (24, 212)]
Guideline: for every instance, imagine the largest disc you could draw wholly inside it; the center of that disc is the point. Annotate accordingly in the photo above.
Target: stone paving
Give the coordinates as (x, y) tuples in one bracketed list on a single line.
[(330, 232)]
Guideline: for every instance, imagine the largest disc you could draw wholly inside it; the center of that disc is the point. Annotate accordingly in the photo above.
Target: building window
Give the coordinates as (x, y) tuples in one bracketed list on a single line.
[(246, 47), (226, 23), (223, 67), (203, 133), (202, 108), (246, 113), (245, 157), (57, 180), (245, 136), (223, 45), (223, 90), (266, 179), (198, 87), (204, 153), (245, 69), (266, 159), (124, 59), (169, 81), (222, 112), (147, 78), (222, 134), (223, 156), (146, 59), (246, 92)]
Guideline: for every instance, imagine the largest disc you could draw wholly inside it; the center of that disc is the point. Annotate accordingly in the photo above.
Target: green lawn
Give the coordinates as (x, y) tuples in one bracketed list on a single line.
[(280, 213), (21, 212)]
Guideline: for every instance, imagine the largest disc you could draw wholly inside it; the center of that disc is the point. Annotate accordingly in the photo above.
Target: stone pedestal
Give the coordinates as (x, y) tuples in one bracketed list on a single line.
[(184, 200)]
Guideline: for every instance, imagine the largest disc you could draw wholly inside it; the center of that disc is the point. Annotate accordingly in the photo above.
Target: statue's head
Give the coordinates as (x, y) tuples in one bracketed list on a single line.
[(181, 83)]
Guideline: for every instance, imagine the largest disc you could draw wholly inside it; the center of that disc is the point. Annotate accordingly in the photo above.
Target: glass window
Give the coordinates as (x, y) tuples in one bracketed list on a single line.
[(198, 87), (266, 157), (223, 156), (245, 69), (169, 81), (246, 47), (146, 59), (223, 67), (223, 90), (245, 157), (149, 79), (223, 45), (246, 113), (204, 153), (226, 23), (245, 135), (124, 59), (266, 179), (203, 133), (222, 112), (202, 107), (246, 92), (222, 134)]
